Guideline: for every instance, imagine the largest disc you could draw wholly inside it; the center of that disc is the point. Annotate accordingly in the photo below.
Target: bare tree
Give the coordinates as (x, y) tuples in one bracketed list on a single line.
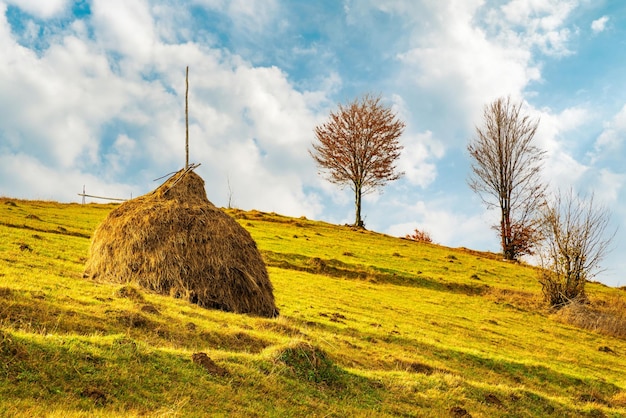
[(574, 244), (359, 146), (506, 170)]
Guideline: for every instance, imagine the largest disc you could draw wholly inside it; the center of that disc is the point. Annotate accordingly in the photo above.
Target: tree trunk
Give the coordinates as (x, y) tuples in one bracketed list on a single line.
[(508, 249), (357, 203)]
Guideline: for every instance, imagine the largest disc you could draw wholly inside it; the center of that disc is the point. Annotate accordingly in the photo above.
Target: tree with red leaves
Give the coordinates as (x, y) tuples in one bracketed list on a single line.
[(359, 146)]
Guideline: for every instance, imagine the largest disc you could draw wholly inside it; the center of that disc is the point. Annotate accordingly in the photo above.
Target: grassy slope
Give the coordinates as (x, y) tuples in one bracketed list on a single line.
[(370, 325)]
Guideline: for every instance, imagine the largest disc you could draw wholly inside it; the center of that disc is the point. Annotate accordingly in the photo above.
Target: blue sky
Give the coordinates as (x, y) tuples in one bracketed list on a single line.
[(92, 93)]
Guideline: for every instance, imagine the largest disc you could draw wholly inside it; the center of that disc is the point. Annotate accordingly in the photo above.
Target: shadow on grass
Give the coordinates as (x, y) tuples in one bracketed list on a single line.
[(76, 374), (59, 230), (76, 371), (23, 310), (471, 365), (339, 269), (523, 402)]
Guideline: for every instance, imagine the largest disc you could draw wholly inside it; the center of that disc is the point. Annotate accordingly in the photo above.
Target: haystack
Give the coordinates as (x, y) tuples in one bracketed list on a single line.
[(174, 241)]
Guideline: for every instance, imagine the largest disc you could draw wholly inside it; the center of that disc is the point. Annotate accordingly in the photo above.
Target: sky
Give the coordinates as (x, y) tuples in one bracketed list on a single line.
[(92, 94)]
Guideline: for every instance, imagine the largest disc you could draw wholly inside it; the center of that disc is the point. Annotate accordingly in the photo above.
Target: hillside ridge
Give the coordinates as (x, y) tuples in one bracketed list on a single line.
[(370, 325)]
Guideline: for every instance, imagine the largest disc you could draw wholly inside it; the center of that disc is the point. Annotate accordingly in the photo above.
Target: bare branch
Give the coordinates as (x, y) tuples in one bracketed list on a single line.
[(575, 243), (506, 173)]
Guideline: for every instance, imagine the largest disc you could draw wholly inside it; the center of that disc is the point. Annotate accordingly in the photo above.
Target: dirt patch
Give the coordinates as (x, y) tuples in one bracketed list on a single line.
[(131, 319), (334, 317), (6, 292), (458, 412), (204, 361), (593, 398), (317, 264), (150, 309), (416, 367), (492, 399), (25, 247), (96, 395), (34, 217)]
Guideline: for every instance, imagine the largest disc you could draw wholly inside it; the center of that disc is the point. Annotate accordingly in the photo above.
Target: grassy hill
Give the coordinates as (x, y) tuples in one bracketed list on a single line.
[(370, 325)]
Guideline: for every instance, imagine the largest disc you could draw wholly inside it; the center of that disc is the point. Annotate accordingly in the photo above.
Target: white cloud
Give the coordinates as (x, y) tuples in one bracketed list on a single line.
[(126, 27), (122, 150), (41, 9), (418, 156), (537, 23), (599, 25), (553, 127), (248, 16), (450, 227), (464, 64), (83, 106), (609, 186), (253, 14), (32, 179), (53, 102), (612, 138), (561, 169)]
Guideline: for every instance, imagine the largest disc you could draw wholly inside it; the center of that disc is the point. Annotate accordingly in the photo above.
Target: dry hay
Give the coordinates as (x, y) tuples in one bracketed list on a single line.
[(174, 241)]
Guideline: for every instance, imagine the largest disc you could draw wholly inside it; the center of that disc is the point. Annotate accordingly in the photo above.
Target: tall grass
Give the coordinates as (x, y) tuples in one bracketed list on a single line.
[(605, 316)]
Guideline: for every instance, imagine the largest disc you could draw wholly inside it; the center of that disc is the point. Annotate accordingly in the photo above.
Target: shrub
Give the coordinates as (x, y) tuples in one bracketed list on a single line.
[(574, 244), (419, 236)]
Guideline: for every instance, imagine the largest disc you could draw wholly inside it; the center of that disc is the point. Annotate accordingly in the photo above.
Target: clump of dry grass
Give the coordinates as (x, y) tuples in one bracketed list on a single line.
[(606, 317), (520, 299), (174, 241), (309, 363)]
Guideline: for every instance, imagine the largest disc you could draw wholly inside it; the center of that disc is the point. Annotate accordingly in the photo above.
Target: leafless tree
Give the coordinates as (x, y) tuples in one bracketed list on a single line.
[(359, 146), (506, 167), (574, 244)]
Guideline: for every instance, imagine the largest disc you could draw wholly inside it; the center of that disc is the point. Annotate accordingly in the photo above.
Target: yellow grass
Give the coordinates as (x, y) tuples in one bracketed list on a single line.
[(370, 325)]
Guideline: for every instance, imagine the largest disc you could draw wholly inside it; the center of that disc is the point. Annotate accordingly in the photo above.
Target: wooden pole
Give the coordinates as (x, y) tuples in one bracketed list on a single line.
[(101, 197), (187, 119)]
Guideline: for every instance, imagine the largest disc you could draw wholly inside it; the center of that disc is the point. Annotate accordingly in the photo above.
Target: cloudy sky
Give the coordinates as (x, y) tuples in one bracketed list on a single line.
[(92, 93)]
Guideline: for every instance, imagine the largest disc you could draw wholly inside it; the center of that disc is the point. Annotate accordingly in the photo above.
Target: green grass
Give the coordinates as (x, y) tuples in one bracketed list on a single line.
[(370, 325)]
